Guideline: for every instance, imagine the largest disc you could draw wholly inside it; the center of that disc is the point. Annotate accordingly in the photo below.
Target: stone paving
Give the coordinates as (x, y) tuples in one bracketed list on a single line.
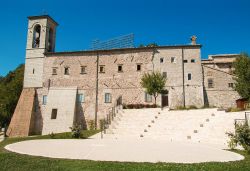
[(125, 150)]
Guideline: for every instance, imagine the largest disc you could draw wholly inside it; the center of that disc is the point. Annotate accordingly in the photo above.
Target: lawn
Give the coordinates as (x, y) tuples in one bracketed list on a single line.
[(13, 161)]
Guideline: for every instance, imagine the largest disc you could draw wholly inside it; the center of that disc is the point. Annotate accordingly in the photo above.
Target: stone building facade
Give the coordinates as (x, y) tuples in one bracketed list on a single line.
[(79, 86)]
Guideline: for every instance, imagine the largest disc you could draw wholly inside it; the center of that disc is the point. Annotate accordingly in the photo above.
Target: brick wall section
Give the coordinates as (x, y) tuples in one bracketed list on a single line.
[(21, 122)]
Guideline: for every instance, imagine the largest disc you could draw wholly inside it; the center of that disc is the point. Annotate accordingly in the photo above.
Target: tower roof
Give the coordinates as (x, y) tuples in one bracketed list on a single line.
[(42, 17)]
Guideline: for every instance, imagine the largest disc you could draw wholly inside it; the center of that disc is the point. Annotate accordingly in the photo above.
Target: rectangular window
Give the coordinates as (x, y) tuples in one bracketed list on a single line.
[(138, 67), (54, 71), (231, 85), (66, 71), (161, 60), (189, 76), (107, 98), (164, 74), (120, 68), (173, 60), (102, 69), (44, 99), (192, 60), (83, 69), (80, 98), (148, 97), (210, 83), (54, 114), (185, 61)]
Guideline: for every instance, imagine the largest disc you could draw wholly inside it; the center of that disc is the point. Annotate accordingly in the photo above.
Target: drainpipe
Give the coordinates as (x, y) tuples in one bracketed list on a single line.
[(183, 78), (96, 97)]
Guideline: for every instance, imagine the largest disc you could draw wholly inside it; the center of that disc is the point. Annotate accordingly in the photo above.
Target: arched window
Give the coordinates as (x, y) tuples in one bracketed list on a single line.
[(50, 42), (36, 36)]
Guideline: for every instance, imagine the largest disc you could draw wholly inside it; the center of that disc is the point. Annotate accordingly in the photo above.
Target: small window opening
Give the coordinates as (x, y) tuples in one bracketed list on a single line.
[(189, 76), (80, 98), (44, 99), (185, 61), (161, 60), (173, 60), (164, 74), (102, 69), (120, 68), (138, 67), (33, 71), (192, 60), (107, 98), (66, 71), (231, 85), (54, 114), (148, 97), (54, 71), (210, 83), (83, 69)]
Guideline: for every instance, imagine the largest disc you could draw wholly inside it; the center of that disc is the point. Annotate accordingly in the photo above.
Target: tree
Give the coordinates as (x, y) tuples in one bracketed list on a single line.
[(10, 89), (242, 75), (149, 45), (153, 83)]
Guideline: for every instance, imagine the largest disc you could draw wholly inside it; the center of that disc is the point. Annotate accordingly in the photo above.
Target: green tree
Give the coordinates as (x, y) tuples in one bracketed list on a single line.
[(242, 75), (154, 83), (10, 89)]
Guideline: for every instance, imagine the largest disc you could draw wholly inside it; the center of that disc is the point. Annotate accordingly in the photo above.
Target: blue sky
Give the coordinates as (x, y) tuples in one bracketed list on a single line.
[(222, 26)]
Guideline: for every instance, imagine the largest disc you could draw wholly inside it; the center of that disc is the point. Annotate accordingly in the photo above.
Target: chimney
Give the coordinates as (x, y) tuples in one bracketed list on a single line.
[(193, 40)]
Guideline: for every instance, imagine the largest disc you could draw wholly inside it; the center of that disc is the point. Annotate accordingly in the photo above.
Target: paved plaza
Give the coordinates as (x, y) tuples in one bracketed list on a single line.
[(144, 150)]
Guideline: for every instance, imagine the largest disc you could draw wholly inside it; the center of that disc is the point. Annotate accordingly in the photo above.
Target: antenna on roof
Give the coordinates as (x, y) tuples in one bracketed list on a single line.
[(125, 41)]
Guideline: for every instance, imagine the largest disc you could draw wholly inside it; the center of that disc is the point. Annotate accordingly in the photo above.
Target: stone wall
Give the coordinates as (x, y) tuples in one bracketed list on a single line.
[(220, 95)]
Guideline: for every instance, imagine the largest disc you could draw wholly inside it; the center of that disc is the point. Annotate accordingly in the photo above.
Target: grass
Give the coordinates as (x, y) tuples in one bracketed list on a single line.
[(19, 162)]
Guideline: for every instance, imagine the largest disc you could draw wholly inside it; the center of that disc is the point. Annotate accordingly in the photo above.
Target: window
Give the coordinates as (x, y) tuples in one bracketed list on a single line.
[(231, 85), (192, 60), (44, 99), (138, 67), (173, 60), (210, 83), (80, 98), (102, 69), (107, 98), (83, 69), (33, 71), (36, 36), (54, 114), (148, 97), (164, 74), (120, 68), (50, 41), (189, 76), (185, 61), (66, 71), (54, 71), (161, 60)]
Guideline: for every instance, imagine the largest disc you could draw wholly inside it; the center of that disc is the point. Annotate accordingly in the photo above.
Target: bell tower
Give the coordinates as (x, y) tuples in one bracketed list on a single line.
[(40, 39)]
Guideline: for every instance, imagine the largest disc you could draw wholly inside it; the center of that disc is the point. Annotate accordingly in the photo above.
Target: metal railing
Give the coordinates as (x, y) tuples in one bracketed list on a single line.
[(107, 121)]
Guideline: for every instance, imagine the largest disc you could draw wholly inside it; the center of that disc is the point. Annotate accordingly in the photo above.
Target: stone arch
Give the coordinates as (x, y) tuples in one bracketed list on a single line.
[(36, 36)]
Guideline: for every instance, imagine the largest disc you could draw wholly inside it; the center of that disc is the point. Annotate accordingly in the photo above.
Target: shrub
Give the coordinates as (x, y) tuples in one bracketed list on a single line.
[(240, 137), (52, 135), (192, 107), (91, 124), (102, 124), (76, 131)]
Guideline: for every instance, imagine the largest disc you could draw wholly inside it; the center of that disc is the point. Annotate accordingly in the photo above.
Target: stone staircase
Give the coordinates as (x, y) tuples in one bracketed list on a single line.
[(21, 120), (201, 126)]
